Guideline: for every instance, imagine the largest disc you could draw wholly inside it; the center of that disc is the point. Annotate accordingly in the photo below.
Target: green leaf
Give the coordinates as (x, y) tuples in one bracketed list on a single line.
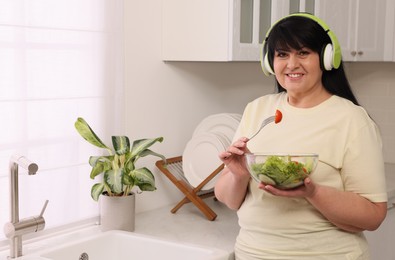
[(130, 161), (113, 178), (100, 164), (129, 164), (149, 152), (144, 179), (93, 160), (87, 133), (121, 144), (140, 145), (128, 179), (97, 190)]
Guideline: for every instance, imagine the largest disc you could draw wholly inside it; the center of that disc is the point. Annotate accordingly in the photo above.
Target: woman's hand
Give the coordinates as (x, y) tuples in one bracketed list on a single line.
[(231, 186), (304, 191), (234, 158)]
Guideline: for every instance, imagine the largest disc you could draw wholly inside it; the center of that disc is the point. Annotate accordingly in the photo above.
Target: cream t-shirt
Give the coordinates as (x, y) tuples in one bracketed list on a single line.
[(350, 158)]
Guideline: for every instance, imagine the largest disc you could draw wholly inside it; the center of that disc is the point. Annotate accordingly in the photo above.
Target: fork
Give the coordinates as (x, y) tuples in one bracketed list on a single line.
[(265, 122)]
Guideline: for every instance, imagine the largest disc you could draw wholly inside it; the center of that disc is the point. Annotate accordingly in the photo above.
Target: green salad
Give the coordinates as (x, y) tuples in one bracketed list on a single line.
[(282, 171)]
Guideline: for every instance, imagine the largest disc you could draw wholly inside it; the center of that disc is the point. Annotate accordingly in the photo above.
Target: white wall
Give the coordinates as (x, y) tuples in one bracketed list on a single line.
[(374, 86), (170, 98)]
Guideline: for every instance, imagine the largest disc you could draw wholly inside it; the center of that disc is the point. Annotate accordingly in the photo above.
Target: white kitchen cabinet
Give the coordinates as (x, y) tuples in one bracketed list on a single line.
[(381, 241), (220, 30), (233, 30), (364, 28), (207, 30)]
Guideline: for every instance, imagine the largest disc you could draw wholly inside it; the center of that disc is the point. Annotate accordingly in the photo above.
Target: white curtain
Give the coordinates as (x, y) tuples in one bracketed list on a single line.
[(59, 60)]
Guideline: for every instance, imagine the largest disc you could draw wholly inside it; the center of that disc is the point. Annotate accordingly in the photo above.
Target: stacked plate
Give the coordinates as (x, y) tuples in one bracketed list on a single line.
[(213, 135)]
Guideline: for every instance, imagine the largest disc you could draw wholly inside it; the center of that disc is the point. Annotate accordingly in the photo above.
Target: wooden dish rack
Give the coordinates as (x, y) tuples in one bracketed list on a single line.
[(172, 168)]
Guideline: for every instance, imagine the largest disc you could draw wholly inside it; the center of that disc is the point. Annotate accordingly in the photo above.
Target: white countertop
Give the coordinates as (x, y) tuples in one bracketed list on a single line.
[(189, 225)]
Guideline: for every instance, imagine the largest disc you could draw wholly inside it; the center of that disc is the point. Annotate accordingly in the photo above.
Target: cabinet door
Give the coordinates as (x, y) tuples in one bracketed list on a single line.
[(360, 26), (251, 20), (196, 30), (370, 28), (340, 17), (214, 30), (280, 8)]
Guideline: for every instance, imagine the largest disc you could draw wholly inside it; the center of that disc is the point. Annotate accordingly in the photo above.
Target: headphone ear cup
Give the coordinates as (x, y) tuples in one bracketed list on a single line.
[(267, 69), (327, 57)]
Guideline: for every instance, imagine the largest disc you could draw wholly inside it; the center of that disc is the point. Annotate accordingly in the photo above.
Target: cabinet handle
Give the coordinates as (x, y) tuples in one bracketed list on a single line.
[(360, 53), (353, 53)]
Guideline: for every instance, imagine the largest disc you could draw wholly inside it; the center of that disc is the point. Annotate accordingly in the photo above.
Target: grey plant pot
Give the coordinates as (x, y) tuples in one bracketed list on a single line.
[(117, 213)]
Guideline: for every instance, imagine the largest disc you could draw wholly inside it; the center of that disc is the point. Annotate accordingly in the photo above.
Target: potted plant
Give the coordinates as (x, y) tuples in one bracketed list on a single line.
[(119, 174)]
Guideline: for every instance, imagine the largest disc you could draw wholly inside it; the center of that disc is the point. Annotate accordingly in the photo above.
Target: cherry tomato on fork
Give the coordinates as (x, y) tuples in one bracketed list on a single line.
[(278, 116)]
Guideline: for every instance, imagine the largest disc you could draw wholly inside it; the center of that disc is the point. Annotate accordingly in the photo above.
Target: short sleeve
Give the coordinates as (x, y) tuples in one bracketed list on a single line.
[(363, 166)]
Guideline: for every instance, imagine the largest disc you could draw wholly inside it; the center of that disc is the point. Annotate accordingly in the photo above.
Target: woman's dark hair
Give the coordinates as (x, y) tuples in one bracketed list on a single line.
[(297, 32)]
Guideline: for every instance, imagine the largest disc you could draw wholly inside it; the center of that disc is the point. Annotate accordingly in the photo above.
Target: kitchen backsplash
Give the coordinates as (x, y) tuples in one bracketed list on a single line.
[(374, 85)]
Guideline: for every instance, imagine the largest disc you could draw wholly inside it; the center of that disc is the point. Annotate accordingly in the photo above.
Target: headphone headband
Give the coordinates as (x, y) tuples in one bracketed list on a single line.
[(330, 58)]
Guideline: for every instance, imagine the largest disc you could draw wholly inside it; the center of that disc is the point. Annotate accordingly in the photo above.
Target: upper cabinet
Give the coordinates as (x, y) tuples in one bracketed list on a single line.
[(207, 30), (233, 30), (364, 28), (220, 30)]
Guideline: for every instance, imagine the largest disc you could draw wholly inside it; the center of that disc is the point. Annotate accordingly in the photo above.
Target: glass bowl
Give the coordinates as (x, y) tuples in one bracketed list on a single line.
[(283, 171)]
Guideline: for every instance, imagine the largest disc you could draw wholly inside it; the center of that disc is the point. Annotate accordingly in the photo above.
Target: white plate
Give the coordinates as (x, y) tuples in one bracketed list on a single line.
[(200, 158), (224, 139), (225, 123)]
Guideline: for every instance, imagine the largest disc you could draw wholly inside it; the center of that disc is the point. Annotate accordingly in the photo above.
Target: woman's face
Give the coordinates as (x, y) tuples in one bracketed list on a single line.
[(298, 71)]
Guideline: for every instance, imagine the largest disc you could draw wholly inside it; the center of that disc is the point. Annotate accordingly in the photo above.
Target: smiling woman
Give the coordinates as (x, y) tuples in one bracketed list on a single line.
[(59, 60), (345, 195)]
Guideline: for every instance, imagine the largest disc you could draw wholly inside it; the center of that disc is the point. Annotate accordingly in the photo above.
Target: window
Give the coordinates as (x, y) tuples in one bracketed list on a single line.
[(59, 60)]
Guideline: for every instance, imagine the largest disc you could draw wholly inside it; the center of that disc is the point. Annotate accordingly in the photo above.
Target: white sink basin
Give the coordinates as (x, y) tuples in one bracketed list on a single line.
[(122, 245)]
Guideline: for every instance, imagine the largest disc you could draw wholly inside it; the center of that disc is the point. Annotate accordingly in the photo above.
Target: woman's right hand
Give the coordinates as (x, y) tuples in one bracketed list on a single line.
[(231, 186), (234, 158)]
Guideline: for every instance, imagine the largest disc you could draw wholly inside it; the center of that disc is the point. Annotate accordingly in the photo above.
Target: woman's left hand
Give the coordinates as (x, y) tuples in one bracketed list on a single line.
[(303, 191)]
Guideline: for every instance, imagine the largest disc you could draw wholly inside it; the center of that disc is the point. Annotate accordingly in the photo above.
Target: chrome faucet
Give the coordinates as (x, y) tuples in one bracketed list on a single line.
[(16, 228)]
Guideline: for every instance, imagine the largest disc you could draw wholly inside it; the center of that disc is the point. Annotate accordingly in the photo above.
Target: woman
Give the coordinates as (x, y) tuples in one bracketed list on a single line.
[(346, 194)]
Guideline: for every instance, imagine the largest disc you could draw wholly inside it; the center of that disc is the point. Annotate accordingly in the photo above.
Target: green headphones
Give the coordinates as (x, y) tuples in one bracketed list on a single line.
[(330, 56)]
